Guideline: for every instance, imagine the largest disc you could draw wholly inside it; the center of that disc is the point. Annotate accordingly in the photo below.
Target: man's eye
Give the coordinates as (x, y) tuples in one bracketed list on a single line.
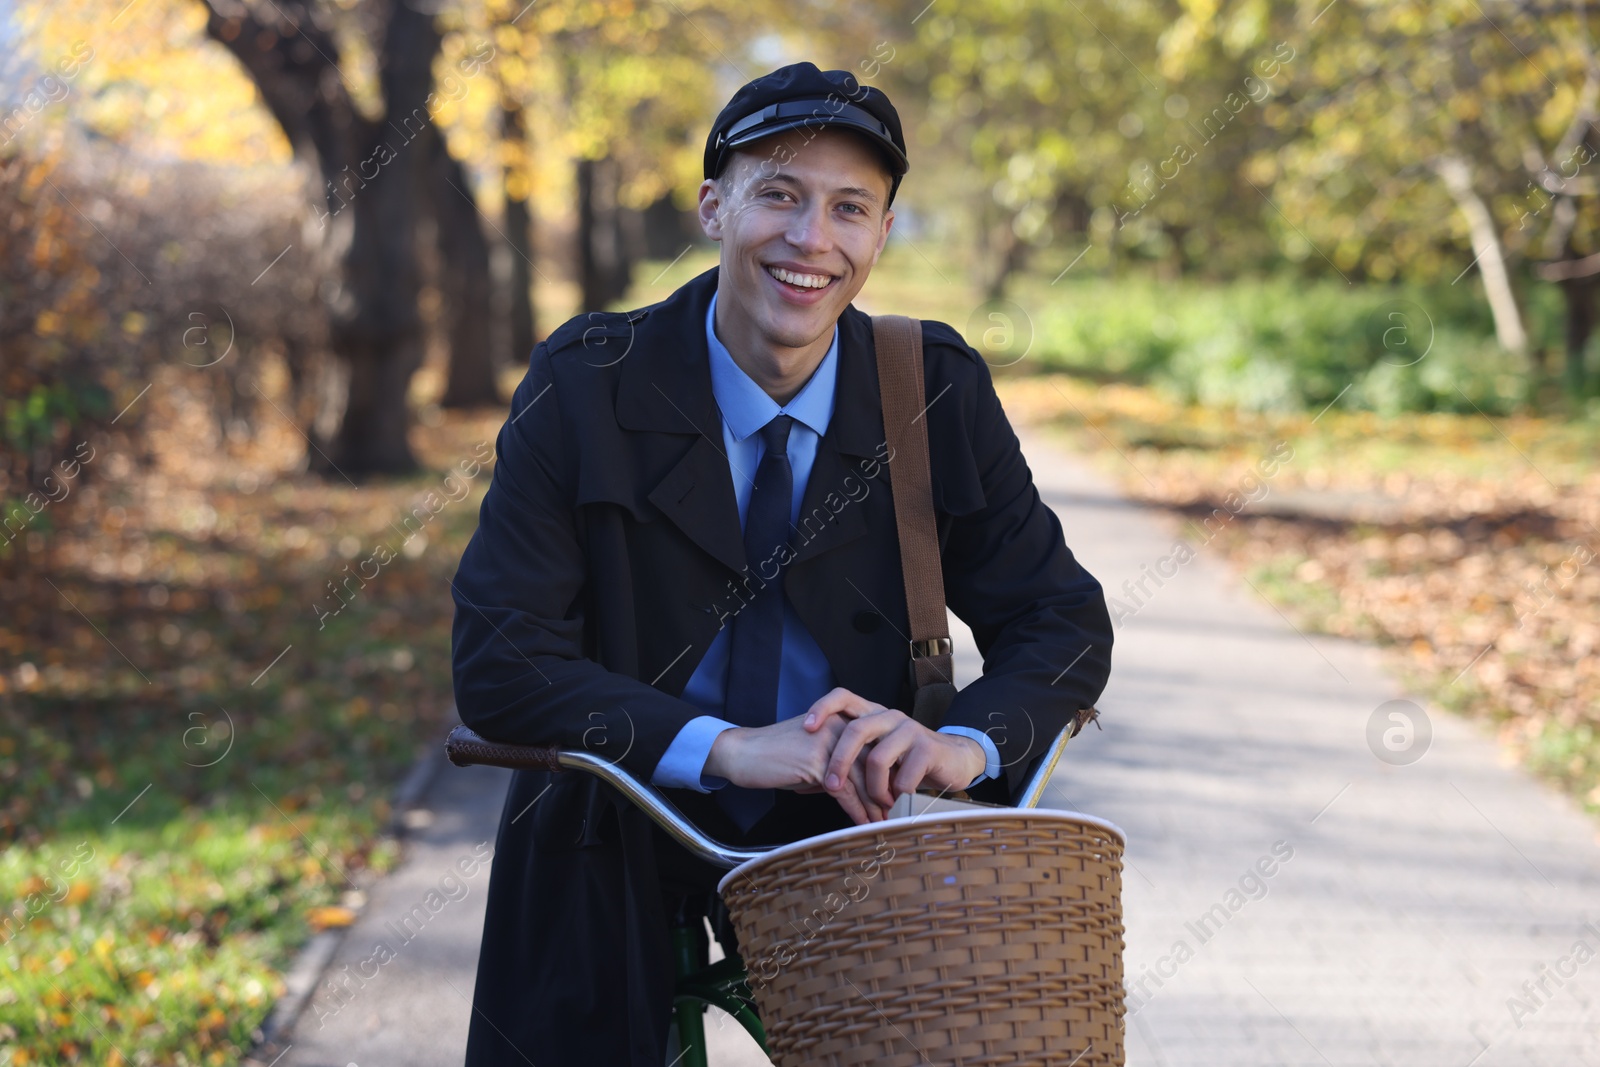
[(854, 208)]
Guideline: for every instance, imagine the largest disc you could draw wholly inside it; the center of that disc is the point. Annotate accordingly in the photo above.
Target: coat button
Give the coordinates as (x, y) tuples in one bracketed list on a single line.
[(867, 621)]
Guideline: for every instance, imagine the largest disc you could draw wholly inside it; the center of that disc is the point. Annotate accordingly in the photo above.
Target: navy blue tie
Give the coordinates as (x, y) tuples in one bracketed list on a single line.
[(757, 639)]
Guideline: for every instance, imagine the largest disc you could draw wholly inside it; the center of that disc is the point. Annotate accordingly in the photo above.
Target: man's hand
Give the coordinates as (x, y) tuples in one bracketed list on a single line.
[(882, 753), (785, 755)]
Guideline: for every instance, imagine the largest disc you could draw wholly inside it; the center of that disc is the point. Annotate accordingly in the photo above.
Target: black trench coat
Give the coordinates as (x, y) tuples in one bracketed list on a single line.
[(606, 557)]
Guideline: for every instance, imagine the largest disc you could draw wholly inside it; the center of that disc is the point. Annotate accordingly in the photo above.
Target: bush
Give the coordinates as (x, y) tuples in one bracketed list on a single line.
[(112, 271), (1280, 345)]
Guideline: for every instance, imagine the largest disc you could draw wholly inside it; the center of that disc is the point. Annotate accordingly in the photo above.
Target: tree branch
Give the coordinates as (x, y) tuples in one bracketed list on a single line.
[(291, 61)]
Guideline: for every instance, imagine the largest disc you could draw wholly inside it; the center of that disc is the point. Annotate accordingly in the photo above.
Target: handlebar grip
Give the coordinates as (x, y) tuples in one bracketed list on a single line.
[(465, 747)]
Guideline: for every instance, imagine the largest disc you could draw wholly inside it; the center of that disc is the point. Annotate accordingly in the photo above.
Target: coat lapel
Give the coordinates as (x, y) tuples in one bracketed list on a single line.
[(665, 388), (697, 495)]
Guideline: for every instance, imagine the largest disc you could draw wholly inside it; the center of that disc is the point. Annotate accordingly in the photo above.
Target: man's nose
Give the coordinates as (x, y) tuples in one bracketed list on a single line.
[(808, 229)]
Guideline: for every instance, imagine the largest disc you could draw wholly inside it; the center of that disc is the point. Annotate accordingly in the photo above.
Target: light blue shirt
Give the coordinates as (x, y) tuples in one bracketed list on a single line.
[(803, 675)]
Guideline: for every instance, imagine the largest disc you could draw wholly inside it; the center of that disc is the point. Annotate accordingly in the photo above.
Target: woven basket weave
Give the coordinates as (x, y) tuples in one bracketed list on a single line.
[(971, 938)]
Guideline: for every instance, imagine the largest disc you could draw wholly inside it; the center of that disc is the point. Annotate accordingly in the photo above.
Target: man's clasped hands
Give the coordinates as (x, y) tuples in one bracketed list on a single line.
[(861, 753)]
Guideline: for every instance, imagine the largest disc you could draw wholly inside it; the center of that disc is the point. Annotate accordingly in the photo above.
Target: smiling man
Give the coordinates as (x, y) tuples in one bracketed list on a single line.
[(688, 564)]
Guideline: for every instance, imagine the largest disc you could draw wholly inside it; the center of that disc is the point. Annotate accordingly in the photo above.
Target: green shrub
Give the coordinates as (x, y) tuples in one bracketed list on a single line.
[(1280, 344)]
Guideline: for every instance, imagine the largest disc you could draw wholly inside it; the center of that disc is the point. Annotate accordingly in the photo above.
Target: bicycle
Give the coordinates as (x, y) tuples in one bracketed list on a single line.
[(699, 983)]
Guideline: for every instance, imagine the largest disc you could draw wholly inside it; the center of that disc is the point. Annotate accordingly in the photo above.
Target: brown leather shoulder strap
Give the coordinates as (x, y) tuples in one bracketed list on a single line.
[(898, 342)]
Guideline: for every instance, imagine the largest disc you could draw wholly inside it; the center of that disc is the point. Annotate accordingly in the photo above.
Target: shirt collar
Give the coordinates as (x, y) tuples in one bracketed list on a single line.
[(746, 407)]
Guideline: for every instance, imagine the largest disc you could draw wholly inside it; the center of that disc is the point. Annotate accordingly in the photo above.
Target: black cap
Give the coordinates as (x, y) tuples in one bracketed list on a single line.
[(801, 96)]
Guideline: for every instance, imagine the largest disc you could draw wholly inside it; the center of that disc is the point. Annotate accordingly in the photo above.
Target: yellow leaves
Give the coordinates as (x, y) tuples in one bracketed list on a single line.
[(1407, 18), (156, 79), (508, 38), (1262, 169), (1556, 114), (330, 917), (513, 71), (1245, 28)]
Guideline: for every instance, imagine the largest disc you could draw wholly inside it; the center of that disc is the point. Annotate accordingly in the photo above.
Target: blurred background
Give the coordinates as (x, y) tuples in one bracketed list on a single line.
[(269, 271)]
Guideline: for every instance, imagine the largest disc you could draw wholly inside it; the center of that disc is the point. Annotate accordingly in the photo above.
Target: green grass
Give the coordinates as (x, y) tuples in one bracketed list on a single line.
[(164, 942), (1312, 603), (175, 810)]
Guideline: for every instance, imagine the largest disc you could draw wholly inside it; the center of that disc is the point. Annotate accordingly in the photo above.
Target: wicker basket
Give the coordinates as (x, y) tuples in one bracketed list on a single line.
[(967, 938)]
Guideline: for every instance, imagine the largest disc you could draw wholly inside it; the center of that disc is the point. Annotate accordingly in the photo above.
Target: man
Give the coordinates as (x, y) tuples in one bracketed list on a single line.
[(687, 563)]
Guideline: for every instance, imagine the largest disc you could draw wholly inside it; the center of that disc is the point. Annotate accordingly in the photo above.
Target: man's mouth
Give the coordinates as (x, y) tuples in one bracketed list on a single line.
[(801, 281)]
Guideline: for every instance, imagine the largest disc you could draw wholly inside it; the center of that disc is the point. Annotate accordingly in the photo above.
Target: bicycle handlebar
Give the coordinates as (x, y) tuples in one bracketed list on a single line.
[(466, 748)]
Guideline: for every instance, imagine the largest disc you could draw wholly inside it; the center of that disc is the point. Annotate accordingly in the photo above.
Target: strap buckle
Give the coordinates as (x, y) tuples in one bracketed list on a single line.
[(930, 647)]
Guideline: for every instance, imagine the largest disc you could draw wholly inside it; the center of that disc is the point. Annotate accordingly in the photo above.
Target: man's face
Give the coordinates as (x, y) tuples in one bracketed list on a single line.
[(801, 223)]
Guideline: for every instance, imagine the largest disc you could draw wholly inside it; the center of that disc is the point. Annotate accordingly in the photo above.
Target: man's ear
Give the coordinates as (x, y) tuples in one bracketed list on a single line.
[(709, 210)]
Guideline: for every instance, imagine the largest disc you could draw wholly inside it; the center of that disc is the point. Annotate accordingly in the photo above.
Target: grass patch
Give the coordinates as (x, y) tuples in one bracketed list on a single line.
[(214, 686)]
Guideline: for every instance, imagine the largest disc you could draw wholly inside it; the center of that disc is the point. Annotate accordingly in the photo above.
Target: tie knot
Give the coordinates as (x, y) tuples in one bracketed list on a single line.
[(776, 434)]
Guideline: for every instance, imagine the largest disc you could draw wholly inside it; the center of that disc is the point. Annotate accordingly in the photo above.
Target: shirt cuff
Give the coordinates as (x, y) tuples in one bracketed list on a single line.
[(683, 764), (991, 755)]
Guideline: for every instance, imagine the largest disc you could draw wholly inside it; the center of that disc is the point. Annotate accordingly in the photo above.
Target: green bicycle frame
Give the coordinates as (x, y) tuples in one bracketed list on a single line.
[(700, 983)]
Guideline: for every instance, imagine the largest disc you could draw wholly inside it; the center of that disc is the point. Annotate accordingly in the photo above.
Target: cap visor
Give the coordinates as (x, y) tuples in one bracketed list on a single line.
[(785, 125)]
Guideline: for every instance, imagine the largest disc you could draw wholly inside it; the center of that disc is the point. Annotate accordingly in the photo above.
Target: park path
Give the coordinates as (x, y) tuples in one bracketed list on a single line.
[(1416, 914)]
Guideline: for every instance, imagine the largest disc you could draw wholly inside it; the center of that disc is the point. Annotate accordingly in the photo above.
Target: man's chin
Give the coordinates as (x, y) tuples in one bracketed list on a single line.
[(791, 330)]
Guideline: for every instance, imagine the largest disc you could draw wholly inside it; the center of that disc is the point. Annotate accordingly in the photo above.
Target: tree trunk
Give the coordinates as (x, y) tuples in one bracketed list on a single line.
[(1577, 276), (1488, 253), (1579, 293), (368, 176), (1012, 256), (664, 230), (372, 434), (464, 285), (605, 261), (521, 313)]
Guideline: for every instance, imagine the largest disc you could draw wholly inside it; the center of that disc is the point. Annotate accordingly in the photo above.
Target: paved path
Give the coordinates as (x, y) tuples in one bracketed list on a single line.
[(413, 1010), (1406, 906), (1417, 898)]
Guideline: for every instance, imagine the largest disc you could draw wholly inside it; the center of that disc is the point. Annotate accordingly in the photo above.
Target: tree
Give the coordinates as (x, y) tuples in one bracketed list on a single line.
[(632, 91), (464, 283), (372, 173), (1419, 124), (1081, 133), (517, 185)]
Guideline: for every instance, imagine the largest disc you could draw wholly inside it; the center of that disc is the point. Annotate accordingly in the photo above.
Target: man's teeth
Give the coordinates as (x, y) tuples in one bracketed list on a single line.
[(804, 281)]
